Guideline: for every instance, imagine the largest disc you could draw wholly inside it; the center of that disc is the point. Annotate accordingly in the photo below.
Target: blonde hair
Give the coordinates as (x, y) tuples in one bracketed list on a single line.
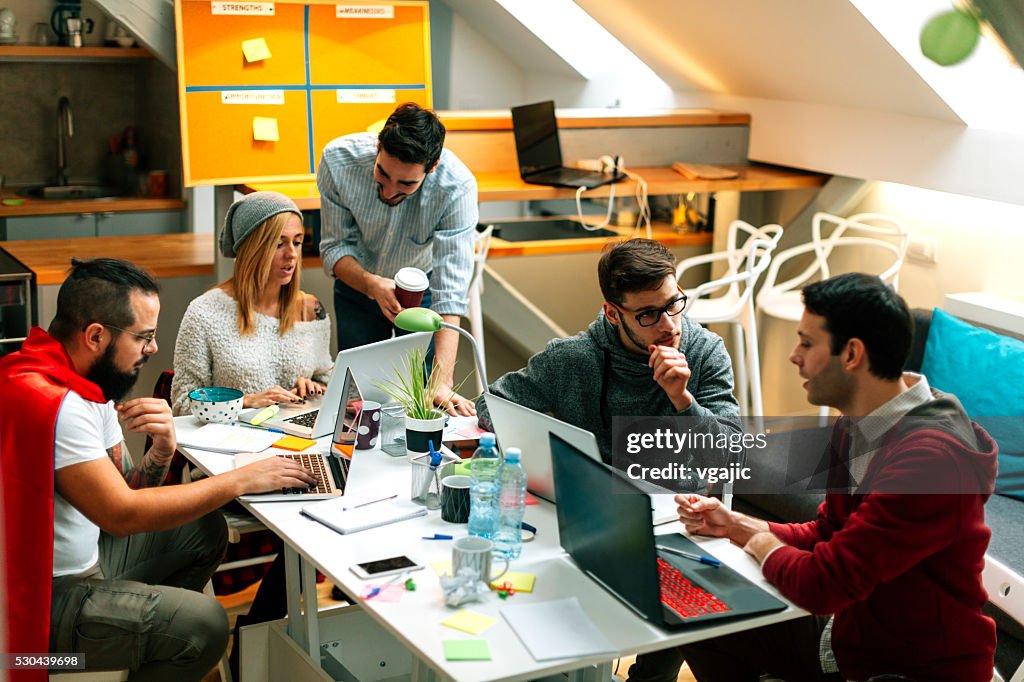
[(252, 270)]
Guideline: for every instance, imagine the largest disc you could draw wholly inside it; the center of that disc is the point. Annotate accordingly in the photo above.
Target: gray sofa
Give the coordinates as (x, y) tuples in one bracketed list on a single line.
[(1005, 515)]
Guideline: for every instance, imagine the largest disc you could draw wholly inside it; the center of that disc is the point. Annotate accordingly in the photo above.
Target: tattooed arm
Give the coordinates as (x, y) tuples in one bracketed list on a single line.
[(151, 416)]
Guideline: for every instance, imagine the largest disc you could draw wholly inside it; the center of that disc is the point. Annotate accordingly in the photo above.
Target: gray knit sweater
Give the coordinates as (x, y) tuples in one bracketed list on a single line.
[(588, 378), (210, 351)]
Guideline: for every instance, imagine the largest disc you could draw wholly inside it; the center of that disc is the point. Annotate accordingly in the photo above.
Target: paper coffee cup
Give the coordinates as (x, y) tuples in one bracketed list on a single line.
[(410, 283)]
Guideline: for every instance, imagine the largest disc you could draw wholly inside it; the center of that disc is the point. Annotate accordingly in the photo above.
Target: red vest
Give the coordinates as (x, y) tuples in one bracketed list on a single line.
[(35, 381)]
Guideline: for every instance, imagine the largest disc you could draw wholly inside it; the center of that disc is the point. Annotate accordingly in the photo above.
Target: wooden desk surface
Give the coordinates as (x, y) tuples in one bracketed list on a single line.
[(166, 255), (32, 207), (508, 186), (663, 233)]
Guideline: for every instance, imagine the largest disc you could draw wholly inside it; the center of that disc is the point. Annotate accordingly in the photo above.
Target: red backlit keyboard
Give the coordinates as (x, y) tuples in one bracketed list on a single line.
[(683, 597)]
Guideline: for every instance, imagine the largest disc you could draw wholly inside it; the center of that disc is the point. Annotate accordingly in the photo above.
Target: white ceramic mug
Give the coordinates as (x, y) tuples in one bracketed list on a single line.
[(476, 553)]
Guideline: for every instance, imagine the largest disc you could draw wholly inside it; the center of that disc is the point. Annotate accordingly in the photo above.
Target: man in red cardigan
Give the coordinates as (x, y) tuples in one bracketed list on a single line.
[(891, 567), (99, 560)]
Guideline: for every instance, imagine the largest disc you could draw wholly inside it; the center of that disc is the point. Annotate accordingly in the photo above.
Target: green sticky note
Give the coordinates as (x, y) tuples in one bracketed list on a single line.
[(466, 650)]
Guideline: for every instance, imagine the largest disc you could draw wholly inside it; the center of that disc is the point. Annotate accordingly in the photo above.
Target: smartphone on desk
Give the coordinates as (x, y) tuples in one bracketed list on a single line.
[(384, 567)]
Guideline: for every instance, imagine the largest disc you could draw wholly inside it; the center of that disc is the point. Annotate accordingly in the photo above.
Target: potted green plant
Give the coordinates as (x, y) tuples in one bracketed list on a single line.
[(415, 390)]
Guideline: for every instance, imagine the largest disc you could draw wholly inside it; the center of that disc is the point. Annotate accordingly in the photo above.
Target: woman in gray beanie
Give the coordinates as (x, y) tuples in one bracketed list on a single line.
[(257, 331)]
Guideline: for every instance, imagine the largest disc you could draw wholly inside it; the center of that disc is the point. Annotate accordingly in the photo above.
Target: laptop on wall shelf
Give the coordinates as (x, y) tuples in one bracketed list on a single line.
[(535, 129), (610, 538)]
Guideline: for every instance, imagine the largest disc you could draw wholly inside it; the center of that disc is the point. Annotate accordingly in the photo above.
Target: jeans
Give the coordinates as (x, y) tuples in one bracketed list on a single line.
[(360, 320), (144, 609)]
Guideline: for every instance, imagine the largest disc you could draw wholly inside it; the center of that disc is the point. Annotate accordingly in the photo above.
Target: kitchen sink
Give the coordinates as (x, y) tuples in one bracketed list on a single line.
[(70, 192)]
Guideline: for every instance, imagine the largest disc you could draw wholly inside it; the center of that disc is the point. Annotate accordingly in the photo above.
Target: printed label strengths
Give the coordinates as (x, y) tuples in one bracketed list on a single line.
[(252, 97), (263, 9), (364, 11)]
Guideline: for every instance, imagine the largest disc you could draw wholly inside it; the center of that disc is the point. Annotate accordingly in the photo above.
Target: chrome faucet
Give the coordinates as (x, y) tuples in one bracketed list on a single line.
[(65, 131)]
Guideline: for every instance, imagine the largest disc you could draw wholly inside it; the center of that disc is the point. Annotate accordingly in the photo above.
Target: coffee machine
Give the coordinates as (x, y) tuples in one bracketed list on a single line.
[(67, 22)]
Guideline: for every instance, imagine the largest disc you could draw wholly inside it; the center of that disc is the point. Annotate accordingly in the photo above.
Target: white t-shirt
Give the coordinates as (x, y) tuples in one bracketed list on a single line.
[(84, 432)]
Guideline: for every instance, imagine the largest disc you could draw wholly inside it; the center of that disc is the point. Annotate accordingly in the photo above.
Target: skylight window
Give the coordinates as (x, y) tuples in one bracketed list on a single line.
[(986, 91), (583, 43)]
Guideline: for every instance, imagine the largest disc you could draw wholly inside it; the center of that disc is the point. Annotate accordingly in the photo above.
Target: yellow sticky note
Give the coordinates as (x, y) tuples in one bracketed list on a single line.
[(255, 50), (264, 128), (294, 443), (520, 582), (469, 622), (441, 567)]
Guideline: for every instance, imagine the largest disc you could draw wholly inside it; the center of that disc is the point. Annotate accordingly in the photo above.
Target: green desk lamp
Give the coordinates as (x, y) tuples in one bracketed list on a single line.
[(426, 320)]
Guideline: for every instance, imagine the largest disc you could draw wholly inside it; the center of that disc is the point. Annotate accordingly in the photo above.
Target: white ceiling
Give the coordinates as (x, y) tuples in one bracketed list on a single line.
[(810, 51)]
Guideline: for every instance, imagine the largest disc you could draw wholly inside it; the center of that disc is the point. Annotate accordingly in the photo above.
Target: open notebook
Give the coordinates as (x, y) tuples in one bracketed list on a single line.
[(369, 509)]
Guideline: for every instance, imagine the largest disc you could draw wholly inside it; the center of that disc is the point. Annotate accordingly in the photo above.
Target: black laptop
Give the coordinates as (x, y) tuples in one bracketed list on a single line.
[(540, 156), (610, 536)]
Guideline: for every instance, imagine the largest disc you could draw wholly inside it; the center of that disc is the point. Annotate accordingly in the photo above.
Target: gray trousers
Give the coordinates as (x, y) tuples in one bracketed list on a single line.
[(144, 609)]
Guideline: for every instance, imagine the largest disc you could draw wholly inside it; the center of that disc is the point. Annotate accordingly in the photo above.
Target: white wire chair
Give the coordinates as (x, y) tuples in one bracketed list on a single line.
[(745, 262)]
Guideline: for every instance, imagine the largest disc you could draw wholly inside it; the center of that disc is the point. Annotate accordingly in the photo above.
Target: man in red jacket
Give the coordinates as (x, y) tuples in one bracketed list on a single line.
[(891, 567), (99, 560)]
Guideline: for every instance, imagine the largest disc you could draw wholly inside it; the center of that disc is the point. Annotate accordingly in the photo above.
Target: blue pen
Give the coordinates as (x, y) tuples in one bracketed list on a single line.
[(437, 536), (709, 560)]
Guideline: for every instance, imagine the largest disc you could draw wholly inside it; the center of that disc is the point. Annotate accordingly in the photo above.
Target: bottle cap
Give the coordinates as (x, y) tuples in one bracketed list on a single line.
[(512, 455), (487, 439)]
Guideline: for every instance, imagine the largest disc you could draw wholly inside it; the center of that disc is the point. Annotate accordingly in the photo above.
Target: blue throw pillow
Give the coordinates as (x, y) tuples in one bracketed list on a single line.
[(985, 371)]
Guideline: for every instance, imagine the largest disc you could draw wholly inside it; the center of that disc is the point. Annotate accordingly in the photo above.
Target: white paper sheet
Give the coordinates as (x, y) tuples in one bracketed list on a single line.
[(556, 629)]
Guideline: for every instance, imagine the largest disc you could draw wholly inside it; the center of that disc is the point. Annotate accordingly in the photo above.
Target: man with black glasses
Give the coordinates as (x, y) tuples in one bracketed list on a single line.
[(640, 357)]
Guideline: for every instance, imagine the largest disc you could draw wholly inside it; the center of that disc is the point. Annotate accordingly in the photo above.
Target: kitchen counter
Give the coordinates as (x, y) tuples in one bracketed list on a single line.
[(33, 207), (169, 255)]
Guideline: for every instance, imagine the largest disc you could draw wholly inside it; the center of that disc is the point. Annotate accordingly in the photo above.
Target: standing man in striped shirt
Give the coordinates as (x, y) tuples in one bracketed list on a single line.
[(392, 201)]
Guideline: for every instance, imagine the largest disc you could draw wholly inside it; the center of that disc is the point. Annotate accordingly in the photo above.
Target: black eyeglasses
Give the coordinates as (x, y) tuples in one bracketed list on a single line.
[(148, 338), (649, 318)]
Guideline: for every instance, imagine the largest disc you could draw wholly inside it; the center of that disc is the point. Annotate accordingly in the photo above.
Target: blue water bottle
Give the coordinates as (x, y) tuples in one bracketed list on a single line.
[(511, 505), (483, 485)]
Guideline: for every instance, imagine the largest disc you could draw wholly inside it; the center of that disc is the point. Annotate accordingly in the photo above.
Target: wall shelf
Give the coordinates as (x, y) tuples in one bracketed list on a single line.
[(36, 53)]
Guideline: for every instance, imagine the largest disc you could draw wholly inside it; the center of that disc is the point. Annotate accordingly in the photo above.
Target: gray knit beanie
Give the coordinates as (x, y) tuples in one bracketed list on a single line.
[(248, 213)]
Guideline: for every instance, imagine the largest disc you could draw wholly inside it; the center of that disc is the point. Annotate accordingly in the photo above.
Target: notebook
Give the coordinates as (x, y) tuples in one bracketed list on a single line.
[(609, 536), (526, 429), (535, 129), (228, 439), (364, 511)]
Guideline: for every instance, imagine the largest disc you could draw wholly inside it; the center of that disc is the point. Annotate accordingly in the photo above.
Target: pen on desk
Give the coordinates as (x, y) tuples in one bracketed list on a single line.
[(376, 590), (709, 560), (437, 536), (363, 504)]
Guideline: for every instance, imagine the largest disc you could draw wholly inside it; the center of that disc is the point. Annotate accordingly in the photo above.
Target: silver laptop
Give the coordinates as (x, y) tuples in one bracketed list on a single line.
[(370, 364), (331, 467), (526, 429)]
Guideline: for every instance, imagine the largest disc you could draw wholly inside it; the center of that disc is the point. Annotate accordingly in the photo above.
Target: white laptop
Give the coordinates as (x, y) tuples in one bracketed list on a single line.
[(331, 467), (370, 364), (520, 427)]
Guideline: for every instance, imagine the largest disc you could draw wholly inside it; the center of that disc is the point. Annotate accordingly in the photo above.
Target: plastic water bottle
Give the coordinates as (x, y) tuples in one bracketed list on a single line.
[(511, 505), (483, 488)]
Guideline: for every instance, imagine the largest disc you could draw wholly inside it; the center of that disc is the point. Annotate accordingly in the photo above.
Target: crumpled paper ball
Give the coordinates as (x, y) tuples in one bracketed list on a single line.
[(463, 588)]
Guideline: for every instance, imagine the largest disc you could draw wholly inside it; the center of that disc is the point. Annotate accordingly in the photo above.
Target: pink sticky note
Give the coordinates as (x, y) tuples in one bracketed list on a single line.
[(388, 593)]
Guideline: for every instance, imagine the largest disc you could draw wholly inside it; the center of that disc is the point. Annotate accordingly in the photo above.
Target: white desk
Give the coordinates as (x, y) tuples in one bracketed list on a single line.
[(415, 620)]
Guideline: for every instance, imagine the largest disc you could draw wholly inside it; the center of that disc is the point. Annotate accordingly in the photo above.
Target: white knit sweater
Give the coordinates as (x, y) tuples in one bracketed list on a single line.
[(211, 352)]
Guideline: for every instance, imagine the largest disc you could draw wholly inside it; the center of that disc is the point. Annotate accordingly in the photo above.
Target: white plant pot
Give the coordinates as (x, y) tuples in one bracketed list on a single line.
[(418, 432)]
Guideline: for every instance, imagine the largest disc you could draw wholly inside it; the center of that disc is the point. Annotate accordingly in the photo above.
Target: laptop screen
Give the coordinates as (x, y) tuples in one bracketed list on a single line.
[(608, 534), (536, 133), (349, 410)]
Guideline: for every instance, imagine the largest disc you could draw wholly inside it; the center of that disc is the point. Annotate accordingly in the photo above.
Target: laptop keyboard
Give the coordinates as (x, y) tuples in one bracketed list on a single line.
[(684, 598), (307, 419), (316, 464)]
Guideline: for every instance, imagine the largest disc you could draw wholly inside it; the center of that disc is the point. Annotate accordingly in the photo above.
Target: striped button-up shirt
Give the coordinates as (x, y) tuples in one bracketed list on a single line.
[(432, 229)]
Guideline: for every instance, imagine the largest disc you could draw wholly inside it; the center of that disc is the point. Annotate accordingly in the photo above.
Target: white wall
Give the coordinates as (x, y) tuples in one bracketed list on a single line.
[(482, 77)]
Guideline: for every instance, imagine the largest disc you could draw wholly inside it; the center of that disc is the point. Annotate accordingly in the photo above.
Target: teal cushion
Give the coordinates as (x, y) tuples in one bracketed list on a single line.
[(985, 371)]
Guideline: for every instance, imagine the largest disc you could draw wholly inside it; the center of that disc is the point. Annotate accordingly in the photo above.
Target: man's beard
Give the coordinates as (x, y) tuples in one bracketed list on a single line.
[(114, 383)]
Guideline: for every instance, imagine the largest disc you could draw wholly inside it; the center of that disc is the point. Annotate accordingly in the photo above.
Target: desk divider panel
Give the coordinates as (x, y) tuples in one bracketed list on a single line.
[(333, 69)]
